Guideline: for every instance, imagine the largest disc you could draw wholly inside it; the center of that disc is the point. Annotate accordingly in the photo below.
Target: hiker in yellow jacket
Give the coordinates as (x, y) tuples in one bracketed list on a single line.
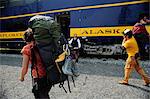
[(130, 44)]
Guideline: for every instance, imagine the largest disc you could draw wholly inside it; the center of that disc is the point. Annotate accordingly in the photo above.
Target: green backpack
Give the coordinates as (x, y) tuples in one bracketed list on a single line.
[(48, 40)]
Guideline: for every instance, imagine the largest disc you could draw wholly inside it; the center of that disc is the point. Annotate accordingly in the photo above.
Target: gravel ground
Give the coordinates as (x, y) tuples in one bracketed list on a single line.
[(98, 80)]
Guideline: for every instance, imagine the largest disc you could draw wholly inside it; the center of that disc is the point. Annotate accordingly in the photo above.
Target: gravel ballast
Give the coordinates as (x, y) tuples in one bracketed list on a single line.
[(98, 80)]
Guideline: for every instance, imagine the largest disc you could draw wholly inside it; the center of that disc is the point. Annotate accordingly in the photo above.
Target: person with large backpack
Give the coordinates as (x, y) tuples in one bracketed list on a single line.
[(47, 36), (31, 55), (141, 35), (49, 41)]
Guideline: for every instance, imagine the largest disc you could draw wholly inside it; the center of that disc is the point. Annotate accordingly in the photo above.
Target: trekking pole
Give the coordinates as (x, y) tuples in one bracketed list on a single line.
[(68, 84), (85, 80), (73, 78), (61, 86), (73, 81)]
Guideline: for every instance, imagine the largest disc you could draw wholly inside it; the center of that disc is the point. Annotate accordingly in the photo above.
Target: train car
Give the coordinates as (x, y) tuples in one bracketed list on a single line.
[(99, 23)]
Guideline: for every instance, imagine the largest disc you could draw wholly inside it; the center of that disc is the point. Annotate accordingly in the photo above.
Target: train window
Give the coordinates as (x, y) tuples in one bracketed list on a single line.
[(16, 3), (20, 2), (14, 25), (3, 4)]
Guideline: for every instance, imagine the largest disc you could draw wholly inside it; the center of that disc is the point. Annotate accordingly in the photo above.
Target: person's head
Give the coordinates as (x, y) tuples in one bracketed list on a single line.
[(127, 33), (28, 36), (75, 35), (144, 18)]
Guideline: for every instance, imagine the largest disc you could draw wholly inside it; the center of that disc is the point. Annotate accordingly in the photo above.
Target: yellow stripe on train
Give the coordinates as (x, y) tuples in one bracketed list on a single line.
[(101, 31), (81, 32), (11, 35)]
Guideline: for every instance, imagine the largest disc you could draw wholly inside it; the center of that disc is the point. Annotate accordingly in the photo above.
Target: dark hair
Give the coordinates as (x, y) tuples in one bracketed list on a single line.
[(141, 16), (28, 36), (128, 33)]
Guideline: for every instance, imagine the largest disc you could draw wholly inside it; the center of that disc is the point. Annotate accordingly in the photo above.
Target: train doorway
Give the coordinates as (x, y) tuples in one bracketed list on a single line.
[(64, 20)]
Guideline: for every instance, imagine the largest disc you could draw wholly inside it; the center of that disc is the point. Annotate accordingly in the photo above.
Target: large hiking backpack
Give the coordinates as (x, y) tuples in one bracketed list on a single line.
[(49, 41)]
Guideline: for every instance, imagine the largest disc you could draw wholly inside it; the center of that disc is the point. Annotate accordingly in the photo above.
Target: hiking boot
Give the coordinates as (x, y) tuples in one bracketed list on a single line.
[(126, 77), (144, 77), (123, 82)]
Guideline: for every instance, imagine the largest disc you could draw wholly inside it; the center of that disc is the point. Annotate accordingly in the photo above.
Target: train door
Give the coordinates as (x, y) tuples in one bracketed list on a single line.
[(64, 20)]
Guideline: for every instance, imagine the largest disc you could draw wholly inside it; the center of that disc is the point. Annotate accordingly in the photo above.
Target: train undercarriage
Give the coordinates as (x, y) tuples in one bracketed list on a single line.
[(111, 50)]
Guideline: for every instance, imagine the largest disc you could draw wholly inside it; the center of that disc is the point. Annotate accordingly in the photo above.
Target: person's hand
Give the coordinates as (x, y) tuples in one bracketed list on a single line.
[(124, 38), (29, 30), (21, 79)]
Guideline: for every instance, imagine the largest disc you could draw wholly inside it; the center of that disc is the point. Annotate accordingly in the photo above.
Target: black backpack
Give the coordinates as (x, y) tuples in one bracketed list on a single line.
[(54, 74)]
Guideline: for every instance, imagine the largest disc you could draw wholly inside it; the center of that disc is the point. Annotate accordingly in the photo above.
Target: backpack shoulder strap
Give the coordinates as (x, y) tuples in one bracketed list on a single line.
[(34, 61)]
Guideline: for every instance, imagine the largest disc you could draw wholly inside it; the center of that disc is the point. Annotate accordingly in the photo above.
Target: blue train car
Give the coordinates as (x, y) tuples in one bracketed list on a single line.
[(99, 23)]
